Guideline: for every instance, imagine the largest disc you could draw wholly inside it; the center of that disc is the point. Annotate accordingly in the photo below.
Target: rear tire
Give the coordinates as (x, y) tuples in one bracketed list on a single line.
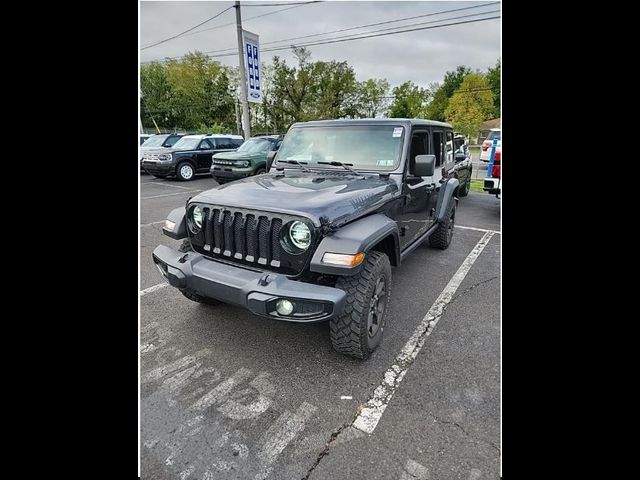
[(463, 191), (194, 297), (185, 171), (441, 238), (358, 331)]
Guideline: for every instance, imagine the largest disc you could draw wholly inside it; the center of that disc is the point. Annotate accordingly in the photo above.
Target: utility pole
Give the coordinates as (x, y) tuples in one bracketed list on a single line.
[(243, 76)]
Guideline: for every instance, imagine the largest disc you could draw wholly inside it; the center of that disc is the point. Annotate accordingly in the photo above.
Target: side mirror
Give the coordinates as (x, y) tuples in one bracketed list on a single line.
[(425, 165), (270, 157), (460, 156)]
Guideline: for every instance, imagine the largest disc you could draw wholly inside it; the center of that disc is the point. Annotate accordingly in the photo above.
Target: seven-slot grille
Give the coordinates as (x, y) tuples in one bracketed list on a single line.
[(246, 236)]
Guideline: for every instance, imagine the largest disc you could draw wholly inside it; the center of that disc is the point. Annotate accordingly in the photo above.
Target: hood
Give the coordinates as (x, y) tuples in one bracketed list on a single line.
[(239, 156), (337, 196)]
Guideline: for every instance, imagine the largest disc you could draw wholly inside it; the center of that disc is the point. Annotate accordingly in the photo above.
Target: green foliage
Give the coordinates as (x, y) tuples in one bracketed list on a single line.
[(196, 93), (371, 98), (409, 101), (186, 93), (441, 95), (310, 91), (493, 76), (470, 105), (215, 128)]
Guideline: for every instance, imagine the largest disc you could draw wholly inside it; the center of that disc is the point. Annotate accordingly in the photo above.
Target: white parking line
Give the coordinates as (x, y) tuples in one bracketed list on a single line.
[(164, 184), (478, 229), (170, 194), (372, 411), (153, 289)]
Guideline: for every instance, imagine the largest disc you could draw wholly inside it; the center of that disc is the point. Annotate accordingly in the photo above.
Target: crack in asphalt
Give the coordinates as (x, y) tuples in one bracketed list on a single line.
[(475, 285), (325, 450), (489, 442)]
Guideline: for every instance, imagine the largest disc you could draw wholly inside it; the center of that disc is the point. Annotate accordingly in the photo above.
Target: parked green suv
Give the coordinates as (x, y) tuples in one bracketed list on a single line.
[(250, 159)]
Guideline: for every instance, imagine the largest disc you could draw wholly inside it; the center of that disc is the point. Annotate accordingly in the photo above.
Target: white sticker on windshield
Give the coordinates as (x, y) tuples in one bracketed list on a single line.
[(397, 132), (384, 163)]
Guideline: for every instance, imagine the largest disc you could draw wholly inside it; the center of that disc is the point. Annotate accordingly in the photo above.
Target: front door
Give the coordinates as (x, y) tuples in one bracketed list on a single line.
[(203, 155), (416, 217)]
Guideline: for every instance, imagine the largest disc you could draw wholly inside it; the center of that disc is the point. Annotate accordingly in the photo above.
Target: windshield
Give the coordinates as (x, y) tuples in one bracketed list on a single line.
[(187, 143), (255, 145), (493, 134), (171, 141), (371, 147), (155, 141)]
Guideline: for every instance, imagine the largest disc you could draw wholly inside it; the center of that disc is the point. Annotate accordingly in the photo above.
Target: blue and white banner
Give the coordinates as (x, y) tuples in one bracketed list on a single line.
[(251, 48)]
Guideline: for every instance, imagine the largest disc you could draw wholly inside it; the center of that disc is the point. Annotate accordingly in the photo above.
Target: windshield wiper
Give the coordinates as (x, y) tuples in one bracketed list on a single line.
[(296, 162), (340, 164)]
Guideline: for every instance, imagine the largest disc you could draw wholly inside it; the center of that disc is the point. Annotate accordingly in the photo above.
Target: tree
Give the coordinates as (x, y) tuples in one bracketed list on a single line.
[(199, 92), (310, 91), (440, 97), (470, 104), (493, 77), (155, 93), (409, 101), (371, 98)]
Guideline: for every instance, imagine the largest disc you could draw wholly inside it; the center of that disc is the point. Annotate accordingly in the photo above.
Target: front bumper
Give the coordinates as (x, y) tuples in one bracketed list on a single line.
[(224, 171), (255, 291), (158, 168)]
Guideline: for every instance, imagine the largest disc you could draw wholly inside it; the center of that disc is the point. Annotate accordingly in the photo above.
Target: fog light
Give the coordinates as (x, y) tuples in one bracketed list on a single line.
[(169, 225), (284, 307)]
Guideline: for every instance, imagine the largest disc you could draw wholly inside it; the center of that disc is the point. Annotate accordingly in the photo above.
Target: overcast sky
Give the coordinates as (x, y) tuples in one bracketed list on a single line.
[(420, 56)]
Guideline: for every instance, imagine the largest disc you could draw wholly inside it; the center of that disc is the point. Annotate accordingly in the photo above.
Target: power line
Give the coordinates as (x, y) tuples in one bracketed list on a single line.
[(365, 36), (247, 19), (360, 26), (188, 30), (390, 28), (278, 4), (377, 24)]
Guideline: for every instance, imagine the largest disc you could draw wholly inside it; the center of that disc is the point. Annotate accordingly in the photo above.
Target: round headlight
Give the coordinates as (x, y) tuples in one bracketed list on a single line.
[(197, 215), (300, 235)]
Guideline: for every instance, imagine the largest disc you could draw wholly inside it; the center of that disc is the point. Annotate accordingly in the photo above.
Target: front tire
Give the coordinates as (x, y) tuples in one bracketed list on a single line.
[(441, 238), (260, 171), (185, 171), (358, 331)]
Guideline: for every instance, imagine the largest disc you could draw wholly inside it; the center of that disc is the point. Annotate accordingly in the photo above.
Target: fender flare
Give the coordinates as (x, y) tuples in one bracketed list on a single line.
[(445, 197), (358, 236)]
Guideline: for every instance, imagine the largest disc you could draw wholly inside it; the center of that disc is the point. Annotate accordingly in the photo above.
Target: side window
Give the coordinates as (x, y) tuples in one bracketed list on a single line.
[(438, 147), (224, 144), (277, 145), (204, 145), (419, 142), (449, 147)]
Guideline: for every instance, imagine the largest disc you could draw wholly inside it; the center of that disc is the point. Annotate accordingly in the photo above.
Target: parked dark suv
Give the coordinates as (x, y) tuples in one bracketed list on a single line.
[(315, 238), (249, 159), (189, 156)]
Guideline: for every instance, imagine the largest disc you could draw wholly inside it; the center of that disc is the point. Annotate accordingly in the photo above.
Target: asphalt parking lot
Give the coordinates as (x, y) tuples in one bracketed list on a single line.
[(226, 394)]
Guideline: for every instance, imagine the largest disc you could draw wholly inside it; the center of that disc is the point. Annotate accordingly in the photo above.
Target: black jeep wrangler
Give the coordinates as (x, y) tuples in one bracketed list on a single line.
[(315, 237)]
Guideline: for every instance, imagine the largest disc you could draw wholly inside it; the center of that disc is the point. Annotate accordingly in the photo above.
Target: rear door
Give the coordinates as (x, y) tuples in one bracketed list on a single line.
[(203, 154)]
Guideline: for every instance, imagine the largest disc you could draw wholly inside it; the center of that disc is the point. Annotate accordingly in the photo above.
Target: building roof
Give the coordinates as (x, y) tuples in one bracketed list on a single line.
[(489, 124)]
